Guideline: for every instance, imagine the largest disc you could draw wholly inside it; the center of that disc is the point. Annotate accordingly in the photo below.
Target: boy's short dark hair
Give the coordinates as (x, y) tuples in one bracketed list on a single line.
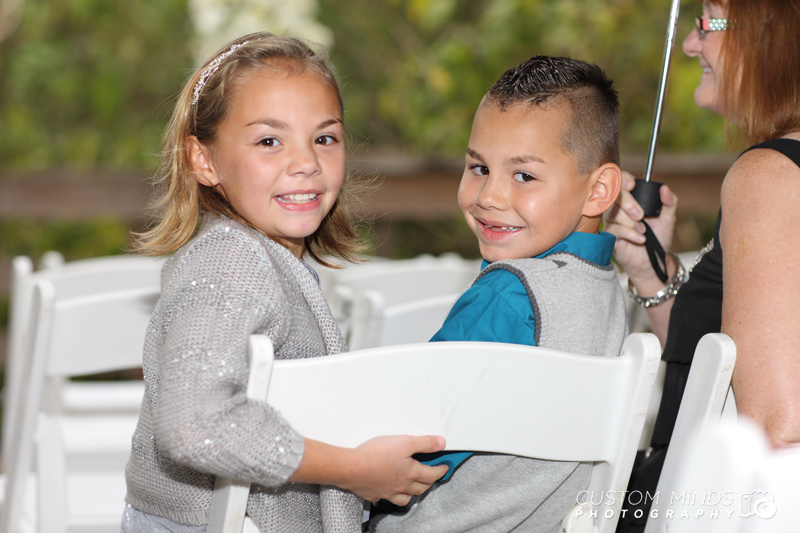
[(592, 134)]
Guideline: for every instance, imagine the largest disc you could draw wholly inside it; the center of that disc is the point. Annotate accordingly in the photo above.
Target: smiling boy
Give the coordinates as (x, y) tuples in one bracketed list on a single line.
[(541, 168)]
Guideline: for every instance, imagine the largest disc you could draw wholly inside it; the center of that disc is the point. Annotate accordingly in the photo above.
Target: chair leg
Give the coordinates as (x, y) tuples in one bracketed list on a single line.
[(579, 519), (229, 507), (51, 469)]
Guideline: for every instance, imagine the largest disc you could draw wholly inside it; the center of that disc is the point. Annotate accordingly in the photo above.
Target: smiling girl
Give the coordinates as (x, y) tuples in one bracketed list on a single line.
[(254, 155)]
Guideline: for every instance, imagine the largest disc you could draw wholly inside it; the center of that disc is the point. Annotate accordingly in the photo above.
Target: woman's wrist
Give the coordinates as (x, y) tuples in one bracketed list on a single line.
[(653, 292)]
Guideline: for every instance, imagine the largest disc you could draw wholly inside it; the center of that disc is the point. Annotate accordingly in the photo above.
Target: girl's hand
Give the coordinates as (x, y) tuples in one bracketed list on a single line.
[(386, 470), (624, 221), (381, 468)]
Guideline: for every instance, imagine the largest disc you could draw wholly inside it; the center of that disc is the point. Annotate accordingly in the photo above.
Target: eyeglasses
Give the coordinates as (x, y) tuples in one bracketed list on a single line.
[(705, 25)]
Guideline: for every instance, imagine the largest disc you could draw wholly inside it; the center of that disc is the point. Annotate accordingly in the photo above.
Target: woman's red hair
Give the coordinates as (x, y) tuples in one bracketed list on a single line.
[(761, 67)]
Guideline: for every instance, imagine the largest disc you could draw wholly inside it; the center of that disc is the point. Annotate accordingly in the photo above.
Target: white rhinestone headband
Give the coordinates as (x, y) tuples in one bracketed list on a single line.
[(210, 70)]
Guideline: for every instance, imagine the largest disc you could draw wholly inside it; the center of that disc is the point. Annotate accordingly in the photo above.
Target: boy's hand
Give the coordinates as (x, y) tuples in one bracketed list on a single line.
[(384, 468), (624, 221)]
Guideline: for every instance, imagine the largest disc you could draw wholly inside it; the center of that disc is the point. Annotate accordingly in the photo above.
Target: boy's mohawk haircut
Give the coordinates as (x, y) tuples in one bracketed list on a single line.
[(541, 77), (592, 132)]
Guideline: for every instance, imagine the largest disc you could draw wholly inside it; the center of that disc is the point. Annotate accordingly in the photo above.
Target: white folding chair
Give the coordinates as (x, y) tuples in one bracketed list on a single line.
[(398, 282), (732, 482), (76, 278), (490, 397), (375, 324), (638, 321), (701, 406), (19, 311), (410, 279), (72, 333)]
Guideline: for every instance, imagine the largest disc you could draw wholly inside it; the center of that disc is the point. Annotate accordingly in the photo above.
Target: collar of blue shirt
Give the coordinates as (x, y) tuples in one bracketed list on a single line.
[(596, 248)]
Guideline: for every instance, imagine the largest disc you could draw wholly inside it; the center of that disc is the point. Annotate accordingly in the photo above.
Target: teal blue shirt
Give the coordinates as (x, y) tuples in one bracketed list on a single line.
[(497, 309)]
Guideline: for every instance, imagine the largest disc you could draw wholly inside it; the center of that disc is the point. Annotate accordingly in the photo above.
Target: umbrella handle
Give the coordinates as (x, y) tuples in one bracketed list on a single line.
[(648, 195)]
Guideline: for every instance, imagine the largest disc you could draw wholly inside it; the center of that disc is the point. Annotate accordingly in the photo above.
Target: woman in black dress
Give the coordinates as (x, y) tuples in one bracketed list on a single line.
[(749, 52)]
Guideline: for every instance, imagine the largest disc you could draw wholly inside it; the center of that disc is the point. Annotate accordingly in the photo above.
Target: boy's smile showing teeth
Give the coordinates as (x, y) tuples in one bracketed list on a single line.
[(496, 226)]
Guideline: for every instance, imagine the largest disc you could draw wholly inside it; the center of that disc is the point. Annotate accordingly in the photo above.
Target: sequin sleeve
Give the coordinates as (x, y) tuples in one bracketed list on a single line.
[(223, 289)]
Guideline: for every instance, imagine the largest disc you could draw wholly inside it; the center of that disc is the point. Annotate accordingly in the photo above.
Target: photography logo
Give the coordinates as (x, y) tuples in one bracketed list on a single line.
[(760, 503), (681, 505)]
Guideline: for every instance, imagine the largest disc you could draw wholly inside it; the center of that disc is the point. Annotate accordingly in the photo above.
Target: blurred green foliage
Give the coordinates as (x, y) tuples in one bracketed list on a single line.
[(90, 83), (74, 240), (415, 70), (84, 83)]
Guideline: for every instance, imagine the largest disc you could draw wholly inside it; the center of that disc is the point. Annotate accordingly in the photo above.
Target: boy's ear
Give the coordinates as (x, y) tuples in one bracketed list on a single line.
[(201, 162), (606, 183)]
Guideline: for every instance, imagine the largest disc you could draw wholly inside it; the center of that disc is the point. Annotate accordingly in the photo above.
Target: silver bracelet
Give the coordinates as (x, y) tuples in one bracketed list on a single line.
[(668, 291)]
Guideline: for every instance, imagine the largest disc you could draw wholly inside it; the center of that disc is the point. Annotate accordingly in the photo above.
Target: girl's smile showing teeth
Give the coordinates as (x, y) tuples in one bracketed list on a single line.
[(297, 198), (299, 201)]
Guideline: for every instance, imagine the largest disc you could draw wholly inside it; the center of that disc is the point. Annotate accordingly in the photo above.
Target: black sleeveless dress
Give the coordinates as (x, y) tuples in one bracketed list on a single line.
[(697, 310)]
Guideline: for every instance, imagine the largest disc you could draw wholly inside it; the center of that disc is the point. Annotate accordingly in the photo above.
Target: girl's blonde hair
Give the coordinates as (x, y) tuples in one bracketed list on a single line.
[(201, 107)]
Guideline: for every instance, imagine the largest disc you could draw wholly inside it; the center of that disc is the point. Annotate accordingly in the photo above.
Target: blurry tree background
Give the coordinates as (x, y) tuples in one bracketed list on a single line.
[(88, 84), (86, 87), (415, 70)]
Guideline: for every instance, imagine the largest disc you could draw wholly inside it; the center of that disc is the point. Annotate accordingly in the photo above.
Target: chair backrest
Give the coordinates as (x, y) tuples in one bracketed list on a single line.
[(701, 406), (375, 324), (398, 282), (19, 311), (83, 278), (732, 482), (229, 504), (72, 335), (489, 397), (410, 279)]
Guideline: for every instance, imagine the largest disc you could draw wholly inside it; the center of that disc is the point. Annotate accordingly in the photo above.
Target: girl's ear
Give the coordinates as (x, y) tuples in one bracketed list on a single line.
[(201, 162), (606, 183)]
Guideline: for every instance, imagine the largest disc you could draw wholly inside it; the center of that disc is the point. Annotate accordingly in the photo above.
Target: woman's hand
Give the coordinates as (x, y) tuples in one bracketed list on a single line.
[(381, 468), (624, 221)]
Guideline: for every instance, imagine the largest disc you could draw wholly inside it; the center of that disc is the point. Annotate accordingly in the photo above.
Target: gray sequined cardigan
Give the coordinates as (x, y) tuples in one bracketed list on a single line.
[(227, 283)]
